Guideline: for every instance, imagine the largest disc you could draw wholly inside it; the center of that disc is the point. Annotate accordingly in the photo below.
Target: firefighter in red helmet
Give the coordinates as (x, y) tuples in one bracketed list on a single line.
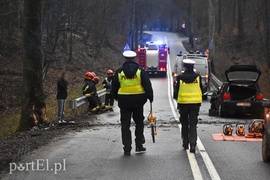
[(89, 91)]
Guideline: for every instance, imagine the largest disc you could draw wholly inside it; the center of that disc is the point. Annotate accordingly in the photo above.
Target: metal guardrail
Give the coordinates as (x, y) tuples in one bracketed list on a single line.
[(77, 103), (215, 81), (80, 103)]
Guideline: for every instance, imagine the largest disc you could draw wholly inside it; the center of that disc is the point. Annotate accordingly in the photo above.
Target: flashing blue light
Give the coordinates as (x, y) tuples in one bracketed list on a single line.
[(203, 53), (181, 52)]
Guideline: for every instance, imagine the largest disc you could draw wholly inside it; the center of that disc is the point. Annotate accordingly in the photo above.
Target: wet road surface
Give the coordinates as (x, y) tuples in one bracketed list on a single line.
[(96, 153)]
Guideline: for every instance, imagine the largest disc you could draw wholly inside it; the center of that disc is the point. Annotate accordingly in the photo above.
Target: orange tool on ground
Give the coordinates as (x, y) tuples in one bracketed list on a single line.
[(255, 129), (228, 129), (152, 120), (240, 129)]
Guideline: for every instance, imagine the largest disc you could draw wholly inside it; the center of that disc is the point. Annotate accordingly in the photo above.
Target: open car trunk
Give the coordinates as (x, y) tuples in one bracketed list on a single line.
[(243, 92), (243, 73)]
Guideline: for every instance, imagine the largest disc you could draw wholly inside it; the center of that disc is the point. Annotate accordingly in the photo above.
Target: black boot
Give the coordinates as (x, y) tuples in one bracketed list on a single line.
[(140, 148), (185, 146), (127, 150), (192, 148), (143, 140)]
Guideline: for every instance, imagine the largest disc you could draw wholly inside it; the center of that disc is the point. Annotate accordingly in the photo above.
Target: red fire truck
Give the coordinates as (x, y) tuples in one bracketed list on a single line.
[(152, 57)]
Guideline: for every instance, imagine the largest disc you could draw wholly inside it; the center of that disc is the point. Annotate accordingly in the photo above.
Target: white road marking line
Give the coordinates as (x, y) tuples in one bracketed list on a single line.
[(191, 157), (197, 175), (207, 161), (170, 91)]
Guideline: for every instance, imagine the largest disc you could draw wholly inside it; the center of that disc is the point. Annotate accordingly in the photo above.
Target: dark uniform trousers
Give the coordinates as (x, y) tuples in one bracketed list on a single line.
[(92, 102), (189, 120), (137, 114), (109, 100), (99, 103)]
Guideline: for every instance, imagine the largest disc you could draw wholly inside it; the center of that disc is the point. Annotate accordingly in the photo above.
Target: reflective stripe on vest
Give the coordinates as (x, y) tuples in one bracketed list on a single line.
[(130, 85), (190, 93), (109, 83)]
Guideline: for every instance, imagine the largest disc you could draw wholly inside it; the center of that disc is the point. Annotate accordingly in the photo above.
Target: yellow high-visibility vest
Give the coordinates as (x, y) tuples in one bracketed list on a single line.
[(190, 93), (129, 86)]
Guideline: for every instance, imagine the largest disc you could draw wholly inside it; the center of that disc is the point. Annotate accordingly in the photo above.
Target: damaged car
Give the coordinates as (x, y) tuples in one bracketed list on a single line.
[(240, 94)]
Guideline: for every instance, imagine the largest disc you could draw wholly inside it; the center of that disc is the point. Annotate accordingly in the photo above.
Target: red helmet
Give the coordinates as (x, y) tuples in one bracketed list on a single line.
[(89, 75), (94, 74), (96, 79), (110, 71)]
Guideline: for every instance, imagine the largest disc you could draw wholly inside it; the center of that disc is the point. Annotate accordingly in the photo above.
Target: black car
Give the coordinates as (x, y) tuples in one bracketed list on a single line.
[(240, 94)]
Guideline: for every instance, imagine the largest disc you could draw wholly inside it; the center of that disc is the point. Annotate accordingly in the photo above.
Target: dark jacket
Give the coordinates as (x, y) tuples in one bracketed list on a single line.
[(126, 101), (89, 87), (188, 77), (62, 89)]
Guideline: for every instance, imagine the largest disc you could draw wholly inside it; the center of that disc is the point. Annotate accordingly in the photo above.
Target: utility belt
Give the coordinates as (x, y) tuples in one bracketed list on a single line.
[(108, 91)]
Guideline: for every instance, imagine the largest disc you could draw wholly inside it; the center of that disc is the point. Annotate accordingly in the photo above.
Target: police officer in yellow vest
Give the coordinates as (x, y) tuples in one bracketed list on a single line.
[(189, 98), (132, 87)]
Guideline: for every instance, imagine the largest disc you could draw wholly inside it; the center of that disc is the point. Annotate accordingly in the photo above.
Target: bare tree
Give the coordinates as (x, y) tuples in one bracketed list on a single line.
[(267, 30), (33, 106), (240, 5), (212, 31)]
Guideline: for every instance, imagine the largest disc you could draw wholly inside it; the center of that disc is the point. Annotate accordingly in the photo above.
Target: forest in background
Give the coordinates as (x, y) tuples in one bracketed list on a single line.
[(235, 32), (83, 35), (77, 36)]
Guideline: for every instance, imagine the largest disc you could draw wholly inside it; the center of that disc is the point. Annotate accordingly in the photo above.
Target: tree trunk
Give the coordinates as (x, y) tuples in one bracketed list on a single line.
[(133, 24), (71, 33), (33, 109), (219, 21), (234, 14), (136, 27), (267, 31), (189, 25), (212, 26), (141, 30), (240, 20)]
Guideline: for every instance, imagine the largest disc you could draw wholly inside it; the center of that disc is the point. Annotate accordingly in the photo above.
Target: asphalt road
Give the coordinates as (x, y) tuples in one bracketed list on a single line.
[(96, 153)]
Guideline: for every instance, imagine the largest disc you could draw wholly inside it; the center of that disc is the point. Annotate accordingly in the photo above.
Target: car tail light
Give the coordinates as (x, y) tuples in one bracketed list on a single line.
[(259, 96), (162, 69), (226, 96), (206, 79), (267, 116)]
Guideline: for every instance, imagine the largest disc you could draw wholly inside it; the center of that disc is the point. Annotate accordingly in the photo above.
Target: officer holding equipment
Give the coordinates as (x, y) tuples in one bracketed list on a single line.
[(132, 87)]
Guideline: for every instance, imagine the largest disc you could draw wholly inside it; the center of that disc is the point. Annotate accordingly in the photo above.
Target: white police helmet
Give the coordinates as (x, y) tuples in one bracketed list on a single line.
[(188, 63), (129, 54)]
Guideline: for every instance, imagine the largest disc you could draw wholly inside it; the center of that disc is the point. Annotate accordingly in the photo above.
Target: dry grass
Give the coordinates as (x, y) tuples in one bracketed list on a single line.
[(10, 123)]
